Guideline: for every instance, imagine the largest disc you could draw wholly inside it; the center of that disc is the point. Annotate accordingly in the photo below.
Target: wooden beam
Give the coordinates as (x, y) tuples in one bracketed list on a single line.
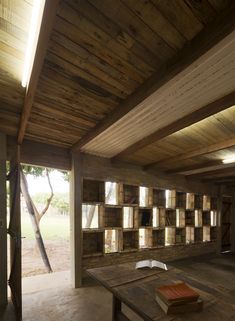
[(196, 116), (205, 40), (49, 14), (195, 168), (3, 222), (193, 153), (219, 173)]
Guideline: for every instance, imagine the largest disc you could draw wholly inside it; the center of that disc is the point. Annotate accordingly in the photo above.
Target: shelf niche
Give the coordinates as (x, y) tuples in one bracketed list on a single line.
[(180, 200), (198, 218), (198, 234), (170, 217), (90, 216), (130, 194), (180, 236), (180, 217), (93, 191), (190, 234), (190, 218), (158, 238), (190, 200), (145, 217), (112, 217), (159, 217), (159, 197), (206, 218), (198, 201), (93, 243), (130, 240), (169, 236), (206, 233), (113, 241), (213, 234), (145, 238)]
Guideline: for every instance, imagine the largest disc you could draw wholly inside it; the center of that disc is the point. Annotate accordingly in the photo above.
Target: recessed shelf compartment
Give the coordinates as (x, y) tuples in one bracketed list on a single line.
[(158, 238), (145, 238), (93, 243), (113, 240), (190, 218), (206, 203), (198, 201), (130, 240), (130, 194), (198, 234), (145, 217), (159, 217), (180, 200), (111, 193), (206, 234), (180, 236), (213, 218), (170, 217), (145, 196), (93, 191), (190, 234), (170, 199), (180, 217), (159, 197), (190, 200), (112, 216), (198, 218), (169, 236), (213, 235), (128, 217), (206, 218), (213, 203), (90, 216)]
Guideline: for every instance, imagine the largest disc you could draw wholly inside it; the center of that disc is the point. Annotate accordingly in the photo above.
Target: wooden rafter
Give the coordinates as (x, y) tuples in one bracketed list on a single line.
[(196, 167), (194, 153), (196, 116), (219, 173), (205, 40), (44, 35)]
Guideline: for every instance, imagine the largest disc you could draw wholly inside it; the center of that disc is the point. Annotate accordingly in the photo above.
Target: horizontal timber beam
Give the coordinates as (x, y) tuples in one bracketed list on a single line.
[(194, 168), (219, 173), (194, 153), (196, 116), (211, 35), (49, 14)]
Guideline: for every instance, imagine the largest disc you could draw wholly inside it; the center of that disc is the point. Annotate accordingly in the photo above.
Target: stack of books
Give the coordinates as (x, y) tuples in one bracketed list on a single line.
[(178, 298)]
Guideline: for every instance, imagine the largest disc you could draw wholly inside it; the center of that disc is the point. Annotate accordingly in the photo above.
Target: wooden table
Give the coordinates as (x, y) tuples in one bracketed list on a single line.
[(136, 289)]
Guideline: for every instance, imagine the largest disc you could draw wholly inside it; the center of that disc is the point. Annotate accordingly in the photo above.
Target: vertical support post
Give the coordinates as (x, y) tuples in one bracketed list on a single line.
[(233, 221), (76, 219), (3, 222), (219, 219)]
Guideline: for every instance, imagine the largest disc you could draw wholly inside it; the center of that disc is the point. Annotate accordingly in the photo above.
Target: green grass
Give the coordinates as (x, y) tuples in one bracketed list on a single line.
[(52, 227)]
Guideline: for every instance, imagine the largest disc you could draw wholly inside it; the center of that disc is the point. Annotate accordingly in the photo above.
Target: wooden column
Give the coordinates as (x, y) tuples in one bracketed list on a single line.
[(76, 219), (219, 219), (3, 223), (233, 221)]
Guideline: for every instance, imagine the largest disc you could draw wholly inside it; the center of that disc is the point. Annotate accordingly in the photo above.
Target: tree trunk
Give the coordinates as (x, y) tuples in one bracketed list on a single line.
[(35, 224)]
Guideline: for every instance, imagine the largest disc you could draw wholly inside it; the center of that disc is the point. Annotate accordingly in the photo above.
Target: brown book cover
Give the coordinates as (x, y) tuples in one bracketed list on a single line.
[(176, 294), (188, 307)]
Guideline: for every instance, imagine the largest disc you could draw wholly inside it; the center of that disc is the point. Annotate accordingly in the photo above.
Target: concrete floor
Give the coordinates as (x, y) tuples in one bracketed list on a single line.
[(50, 298)]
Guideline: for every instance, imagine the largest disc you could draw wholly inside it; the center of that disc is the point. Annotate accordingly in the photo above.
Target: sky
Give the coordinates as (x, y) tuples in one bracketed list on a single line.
[(40, 184)]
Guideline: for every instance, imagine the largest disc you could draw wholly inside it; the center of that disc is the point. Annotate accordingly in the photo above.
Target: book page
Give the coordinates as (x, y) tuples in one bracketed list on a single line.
[(143, 264), (159, 265)]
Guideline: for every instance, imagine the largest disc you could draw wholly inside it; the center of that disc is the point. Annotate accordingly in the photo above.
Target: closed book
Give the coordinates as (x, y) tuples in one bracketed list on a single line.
[(176, 294), (195, 306)]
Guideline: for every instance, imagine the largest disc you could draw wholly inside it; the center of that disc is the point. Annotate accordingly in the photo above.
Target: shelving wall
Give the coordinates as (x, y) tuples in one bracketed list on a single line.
[(120, 218)]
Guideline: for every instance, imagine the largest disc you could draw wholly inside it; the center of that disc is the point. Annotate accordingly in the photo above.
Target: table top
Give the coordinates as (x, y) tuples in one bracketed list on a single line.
[(136, 288)]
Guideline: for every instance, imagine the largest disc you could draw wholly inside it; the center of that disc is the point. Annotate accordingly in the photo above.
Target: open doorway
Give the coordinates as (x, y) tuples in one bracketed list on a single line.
[(48, 190)]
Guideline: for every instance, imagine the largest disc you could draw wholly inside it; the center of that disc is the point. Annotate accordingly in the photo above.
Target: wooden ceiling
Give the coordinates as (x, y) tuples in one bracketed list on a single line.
[(117, 71)]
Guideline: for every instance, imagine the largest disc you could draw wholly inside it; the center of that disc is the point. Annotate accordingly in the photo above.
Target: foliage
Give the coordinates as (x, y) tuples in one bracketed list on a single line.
[(60, 201)]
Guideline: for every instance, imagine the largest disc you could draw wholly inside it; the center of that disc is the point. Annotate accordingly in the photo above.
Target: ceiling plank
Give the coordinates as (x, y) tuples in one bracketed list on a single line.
[(205, 40), (49, 14), (194, 153), (196, 116)]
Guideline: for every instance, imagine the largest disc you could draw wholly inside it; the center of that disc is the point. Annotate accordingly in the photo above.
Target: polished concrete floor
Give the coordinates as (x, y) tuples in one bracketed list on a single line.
[(51, 302)]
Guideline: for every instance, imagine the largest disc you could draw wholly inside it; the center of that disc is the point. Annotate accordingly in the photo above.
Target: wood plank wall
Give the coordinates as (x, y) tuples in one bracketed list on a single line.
[(3, 223)]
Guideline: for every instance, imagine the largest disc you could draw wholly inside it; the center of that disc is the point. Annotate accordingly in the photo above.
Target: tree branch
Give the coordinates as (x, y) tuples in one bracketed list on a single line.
[(50, 198)]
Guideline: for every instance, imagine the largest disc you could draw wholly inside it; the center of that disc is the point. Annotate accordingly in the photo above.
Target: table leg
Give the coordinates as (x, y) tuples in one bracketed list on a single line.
[(117, 314)]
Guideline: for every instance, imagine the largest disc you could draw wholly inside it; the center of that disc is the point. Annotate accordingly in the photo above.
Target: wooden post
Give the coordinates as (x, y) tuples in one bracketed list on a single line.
[(3, 222), (219, 219), (233, 221), (76, 219)]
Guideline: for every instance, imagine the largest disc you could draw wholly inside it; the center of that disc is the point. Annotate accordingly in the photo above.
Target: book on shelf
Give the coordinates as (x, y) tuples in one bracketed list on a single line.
[(194, 306), (151, 264)]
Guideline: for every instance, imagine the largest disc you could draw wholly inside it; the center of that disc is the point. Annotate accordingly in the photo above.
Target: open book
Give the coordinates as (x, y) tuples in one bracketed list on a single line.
[(151, 264)]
